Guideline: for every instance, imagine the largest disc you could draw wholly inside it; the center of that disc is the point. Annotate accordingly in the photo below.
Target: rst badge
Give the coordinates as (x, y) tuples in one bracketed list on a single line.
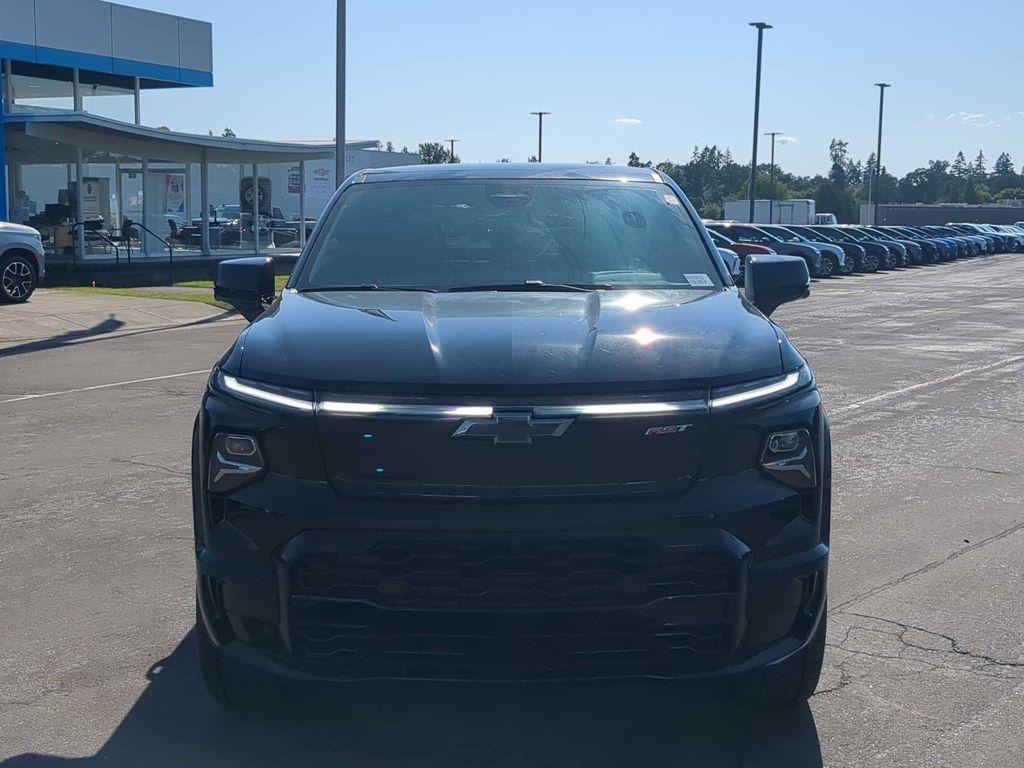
[(671, 429)]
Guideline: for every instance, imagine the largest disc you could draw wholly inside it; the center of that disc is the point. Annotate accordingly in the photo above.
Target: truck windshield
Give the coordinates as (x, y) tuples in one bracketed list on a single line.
[(784, 234), (460, 233)]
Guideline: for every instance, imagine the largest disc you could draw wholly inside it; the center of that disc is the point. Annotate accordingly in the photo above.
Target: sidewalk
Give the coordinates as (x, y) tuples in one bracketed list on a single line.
[(66, 315)]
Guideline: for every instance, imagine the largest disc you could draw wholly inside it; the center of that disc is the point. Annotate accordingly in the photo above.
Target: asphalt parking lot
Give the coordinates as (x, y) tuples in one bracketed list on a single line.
[(921, 370)]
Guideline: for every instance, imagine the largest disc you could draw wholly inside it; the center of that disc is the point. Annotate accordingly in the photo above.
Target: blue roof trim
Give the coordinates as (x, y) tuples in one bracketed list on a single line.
[(17, 51), (94, 63), (61, 58), (196, 77)]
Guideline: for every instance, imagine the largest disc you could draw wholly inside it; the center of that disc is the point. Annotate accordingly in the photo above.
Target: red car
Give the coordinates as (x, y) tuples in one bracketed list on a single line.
[(740, 249)]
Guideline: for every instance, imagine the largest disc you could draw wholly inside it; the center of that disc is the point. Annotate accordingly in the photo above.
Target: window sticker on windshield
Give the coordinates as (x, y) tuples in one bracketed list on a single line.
[(700, 281), (671, 199)]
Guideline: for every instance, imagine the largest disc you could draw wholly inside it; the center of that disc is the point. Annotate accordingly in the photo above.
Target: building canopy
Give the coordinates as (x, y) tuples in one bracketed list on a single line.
[(55, 138)]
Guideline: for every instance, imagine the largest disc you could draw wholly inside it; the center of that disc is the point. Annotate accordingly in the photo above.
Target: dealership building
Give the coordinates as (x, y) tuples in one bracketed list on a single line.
[(82, 166)]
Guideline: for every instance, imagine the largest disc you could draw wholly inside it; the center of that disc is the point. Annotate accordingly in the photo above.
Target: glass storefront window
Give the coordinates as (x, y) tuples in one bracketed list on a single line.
[(47, 195), (282, 182), (41, 88), (166, 195), (225, 206), (110, 96)]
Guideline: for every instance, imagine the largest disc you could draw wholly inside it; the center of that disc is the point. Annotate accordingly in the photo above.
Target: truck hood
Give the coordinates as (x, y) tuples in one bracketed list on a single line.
[(493, 342), (17, 229)]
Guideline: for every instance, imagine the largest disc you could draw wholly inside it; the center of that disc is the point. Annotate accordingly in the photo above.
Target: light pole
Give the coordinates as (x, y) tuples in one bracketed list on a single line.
[(540, 134), (761, 27), (451, 142), (339, 116), (771, 176), (878, 154)]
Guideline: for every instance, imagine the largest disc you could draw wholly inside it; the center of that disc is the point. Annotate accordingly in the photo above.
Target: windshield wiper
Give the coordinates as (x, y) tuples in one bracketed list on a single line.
[(365, 287), (533, 285)]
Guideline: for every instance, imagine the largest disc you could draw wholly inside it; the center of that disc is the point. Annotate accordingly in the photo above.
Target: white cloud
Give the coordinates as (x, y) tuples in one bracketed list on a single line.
[(929, 116), (786, 139), (978, 120), (975, 119), (627, 121)]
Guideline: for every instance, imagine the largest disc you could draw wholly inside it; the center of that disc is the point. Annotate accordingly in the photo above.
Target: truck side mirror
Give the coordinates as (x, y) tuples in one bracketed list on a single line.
[(771, 281), (246, 284)]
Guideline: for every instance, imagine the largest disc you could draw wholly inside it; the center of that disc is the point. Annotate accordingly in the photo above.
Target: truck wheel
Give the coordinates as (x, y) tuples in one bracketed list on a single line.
[(792, 682), (17, 278)]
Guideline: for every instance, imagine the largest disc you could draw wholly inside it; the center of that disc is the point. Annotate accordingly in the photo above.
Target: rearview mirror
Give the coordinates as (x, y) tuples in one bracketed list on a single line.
[(732, 262), (246, 284), (771, 281)]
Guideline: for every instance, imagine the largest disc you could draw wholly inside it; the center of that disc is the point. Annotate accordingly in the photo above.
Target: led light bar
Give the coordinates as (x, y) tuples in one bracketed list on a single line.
[(789, 382), (335, 406), (233, 384), (625, 409), (431, 411)]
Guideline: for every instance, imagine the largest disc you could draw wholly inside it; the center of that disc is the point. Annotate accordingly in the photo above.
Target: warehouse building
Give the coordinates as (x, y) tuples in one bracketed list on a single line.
[(82, 167), (921, 214)]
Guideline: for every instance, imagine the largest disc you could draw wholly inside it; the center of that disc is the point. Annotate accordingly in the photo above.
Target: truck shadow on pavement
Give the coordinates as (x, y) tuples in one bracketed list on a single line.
[(628, 723)]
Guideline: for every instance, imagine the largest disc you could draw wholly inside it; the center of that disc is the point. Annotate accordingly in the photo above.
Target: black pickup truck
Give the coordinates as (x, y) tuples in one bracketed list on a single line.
[(511, 423)]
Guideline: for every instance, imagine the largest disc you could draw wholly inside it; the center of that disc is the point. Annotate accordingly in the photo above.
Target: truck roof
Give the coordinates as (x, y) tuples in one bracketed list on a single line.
[(511, 171)]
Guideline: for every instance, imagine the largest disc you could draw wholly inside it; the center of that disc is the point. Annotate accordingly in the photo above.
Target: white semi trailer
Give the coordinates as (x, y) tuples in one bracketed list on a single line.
[(771, 211)]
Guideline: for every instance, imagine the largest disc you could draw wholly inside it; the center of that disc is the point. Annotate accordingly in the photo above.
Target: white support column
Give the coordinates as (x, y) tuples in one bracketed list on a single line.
[(204, 195), (118, 202), (256, 206), (76, 89), (138, 103), (302, 203), (188, 194), (79, 205), (143, 235)]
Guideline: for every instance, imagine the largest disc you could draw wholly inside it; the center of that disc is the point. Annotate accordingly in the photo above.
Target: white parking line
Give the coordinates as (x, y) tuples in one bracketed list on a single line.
[(941, 380), (104, 386)]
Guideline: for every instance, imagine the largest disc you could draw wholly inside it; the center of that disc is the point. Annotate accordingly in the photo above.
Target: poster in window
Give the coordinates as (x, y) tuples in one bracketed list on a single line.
[(175, 194)]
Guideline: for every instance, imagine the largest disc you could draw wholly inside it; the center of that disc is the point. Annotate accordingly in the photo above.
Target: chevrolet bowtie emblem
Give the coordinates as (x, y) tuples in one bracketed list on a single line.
[(512, 428)]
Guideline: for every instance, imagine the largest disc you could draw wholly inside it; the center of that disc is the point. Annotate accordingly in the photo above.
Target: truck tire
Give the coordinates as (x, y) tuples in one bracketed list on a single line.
[(17, 278), (792, 682), (827, 267)]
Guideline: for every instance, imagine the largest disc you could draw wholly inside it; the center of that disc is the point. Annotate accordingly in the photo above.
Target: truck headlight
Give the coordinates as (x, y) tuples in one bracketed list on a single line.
[(234, 461), (753, 392), (788, 457)]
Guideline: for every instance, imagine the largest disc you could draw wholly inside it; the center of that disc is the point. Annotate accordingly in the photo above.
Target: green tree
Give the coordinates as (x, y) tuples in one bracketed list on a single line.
[(389, 147), (978, 167), (1003, 166), (839, 173), (435, 153), (227, 133), (960, 168), (634, 161)]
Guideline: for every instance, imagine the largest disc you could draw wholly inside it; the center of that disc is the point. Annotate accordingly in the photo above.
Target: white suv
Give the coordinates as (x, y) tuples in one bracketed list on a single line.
[(22, 262)]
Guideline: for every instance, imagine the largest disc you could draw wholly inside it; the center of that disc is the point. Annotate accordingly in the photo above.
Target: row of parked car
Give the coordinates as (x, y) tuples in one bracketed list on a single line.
[(842, 249)]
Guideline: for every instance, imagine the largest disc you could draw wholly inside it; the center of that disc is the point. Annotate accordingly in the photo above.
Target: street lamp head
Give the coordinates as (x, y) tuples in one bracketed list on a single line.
[(883, 85), (540, 113), (761, 24)]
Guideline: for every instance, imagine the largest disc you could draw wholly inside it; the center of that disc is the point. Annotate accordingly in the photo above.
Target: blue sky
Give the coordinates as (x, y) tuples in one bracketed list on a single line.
[(680, 73)]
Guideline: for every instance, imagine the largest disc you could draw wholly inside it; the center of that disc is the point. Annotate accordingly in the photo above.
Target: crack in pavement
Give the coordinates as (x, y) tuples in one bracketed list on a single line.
[(968, 468), (927, 567), (954, 645), (132, 461)]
